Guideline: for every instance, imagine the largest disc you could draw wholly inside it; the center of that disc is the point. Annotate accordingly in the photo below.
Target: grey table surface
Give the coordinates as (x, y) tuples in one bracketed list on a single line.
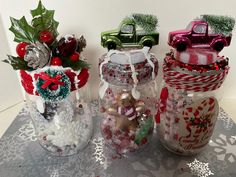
[(22, 156)]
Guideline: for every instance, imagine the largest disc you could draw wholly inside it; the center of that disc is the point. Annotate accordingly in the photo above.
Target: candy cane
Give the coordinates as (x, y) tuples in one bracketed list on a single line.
[(209, 130), (169, 117), (179, 105), (195, 143)]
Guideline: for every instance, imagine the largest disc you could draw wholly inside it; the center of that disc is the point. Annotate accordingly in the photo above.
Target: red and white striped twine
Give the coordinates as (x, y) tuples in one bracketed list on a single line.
[(196, 83), (197, 56)]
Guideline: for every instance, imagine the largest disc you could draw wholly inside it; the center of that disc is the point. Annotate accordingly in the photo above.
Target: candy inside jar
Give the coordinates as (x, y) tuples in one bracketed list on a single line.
[(127, 99), (127, 124)]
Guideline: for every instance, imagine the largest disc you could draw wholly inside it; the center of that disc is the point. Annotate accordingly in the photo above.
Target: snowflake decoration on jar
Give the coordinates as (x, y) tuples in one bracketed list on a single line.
[(200, 169)]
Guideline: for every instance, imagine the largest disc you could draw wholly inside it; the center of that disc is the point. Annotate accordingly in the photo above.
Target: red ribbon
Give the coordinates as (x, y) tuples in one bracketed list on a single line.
[(50, 80)]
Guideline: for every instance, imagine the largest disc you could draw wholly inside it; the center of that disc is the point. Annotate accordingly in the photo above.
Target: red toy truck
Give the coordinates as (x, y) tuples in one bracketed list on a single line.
[(198, 34)]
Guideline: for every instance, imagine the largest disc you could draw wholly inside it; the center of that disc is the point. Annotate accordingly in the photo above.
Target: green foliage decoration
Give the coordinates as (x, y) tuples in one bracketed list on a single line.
[(146, 21), (17, 63), (220, 24), (43, 19)]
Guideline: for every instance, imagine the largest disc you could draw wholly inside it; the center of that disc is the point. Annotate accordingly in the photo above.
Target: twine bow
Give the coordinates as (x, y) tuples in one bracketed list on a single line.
[(50, 80)]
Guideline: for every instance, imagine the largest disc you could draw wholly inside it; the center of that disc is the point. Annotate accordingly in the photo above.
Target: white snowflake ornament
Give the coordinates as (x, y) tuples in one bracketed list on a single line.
[(200, 169)]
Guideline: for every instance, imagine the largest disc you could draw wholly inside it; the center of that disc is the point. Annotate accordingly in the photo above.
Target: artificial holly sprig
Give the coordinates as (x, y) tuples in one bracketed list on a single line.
[(38, 45), (43, 21), (44, 24), (22, 30), (17, 63)]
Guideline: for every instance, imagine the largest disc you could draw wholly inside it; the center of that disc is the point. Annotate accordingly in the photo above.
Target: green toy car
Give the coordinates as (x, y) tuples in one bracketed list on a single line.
[(135, 31)]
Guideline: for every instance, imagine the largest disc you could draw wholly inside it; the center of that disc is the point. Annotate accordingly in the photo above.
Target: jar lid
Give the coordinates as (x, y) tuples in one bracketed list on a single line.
[(121, 68)]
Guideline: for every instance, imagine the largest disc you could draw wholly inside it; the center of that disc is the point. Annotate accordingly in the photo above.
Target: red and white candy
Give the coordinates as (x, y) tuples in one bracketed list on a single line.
[(197, 56)]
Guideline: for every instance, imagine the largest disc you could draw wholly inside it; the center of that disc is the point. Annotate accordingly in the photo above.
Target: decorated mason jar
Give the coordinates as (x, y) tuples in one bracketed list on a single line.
[(60, 114), (127, 97), (52, 72), (188, 106)]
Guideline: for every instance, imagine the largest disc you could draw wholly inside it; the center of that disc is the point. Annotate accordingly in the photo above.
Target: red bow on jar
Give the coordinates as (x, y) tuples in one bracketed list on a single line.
[(50, 80)]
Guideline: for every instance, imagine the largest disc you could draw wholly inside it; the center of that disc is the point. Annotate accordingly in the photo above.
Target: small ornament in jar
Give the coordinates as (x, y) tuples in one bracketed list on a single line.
[(126, 112), (132, 122)]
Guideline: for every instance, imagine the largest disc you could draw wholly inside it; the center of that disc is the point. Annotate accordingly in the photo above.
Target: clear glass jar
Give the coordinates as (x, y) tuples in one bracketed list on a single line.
[(188, 105), (127, 106), (63, 126)]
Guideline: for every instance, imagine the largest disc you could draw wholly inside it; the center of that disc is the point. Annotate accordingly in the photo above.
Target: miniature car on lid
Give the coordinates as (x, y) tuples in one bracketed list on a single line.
[(210, 31), (135, 31)]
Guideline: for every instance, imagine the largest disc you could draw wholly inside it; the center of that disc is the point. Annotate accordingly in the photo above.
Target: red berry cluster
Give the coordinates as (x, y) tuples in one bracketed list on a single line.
[(65, 47)]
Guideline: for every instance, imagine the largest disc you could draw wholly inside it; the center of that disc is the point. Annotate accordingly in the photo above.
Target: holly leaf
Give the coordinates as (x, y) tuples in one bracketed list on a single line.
[(22, 30), (17, 63), (75, 65), (43, 19)]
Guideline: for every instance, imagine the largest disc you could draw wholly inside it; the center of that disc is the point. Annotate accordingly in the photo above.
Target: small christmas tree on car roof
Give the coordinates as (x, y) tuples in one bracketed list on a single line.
[(134, 31), (39, 51), (220, 24), (145, 21)]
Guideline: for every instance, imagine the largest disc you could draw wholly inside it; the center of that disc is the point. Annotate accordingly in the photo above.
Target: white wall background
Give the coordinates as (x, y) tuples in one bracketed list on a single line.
[(90, 17), (9, 85)]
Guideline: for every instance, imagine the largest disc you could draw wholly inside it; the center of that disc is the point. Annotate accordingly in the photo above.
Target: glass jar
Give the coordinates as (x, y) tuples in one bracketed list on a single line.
[(61, 116), (127, 97), (188, 105)]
